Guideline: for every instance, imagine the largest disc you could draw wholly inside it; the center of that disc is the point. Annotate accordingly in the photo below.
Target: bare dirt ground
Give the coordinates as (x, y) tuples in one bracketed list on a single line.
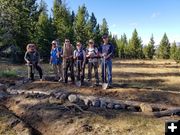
[(154, 82)]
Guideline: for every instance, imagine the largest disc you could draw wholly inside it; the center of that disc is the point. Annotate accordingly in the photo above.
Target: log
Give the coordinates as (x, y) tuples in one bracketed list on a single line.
[(169, 112)]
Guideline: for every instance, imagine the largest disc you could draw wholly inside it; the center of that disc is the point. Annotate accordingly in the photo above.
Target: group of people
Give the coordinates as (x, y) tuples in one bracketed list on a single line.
[(67, 61)]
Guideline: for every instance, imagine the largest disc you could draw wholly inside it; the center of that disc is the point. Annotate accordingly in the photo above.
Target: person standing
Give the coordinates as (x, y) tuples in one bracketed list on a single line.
[(32, 58), (92, 57), (80, 59), (56, 60), (68, 61), (106, 51)]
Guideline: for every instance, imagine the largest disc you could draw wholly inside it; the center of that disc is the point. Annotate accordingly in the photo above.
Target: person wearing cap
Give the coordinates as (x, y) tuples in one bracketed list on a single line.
[(80, 59), (32, 58), (56, 60), (68, 63), (106, 51), (92, 57)]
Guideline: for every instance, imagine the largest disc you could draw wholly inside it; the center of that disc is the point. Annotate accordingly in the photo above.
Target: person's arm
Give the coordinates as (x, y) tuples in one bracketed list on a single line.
[(50, 60), (72, 52), (87, 55), (74, 55), (111, 52), (100, 51), (59, 51), (38, 57), (84, 59), (62, 52), (96, 53), (26, 58)]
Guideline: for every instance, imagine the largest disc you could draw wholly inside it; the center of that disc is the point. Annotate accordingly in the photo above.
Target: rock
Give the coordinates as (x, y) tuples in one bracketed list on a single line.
[(103, 104), (95, 103), (110, 105), (145, 107), (58, 95), (19, 83), (117, 107), (132, 108), (26, 80), (87, 102), (73, 98), (3, 95), (53, 100), (82, 105), (2, 86), (63, 97)]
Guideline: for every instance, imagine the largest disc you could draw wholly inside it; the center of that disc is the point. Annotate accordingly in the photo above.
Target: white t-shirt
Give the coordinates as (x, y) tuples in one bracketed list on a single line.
[(92, 52)]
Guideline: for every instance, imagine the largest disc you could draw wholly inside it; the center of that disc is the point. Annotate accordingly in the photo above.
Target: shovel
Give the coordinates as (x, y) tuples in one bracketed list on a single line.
[(31, 65), (78, 82), (104, 84)]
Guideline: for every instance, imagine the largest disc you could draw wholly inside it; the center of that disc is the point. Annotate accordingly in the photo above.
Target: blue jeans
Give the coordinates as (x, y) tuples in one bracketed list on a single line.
[(108, 71)]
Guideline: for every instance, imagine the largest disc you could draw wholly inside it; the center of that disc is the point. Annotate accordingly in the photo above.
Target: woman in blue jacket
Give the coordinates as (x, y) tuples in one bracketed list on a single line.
[(56, 60)]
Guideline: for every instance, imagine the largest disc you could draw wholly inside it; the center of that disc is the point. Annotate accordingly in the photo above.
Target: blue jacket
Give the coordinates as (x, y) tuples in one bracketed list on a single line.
[(54, 56), (107, 50)]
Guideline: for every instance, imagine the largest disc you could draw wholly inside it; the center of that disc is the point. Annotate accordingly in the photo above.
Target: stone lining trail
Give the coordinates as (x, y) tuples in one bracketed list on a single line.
[(100, 102), (94, 101)]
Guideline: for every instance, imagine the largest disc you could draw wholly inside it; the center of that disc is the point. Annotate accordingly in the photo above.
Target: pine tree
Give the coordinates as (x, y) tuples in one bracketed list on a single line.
[(17, 20), (135, 46), (149, 50), (104, 27), (62, 20), (164, 48), (97, 36), (44, 31), (80, 25), (173, 50), (115, 44), (90, 27), (177, 55), (122, 45)]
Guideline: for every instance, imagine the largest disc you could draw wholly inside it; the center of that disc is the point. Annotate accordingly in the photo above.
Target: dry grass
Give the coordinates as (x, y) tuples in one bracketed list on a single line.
[(161, 74)]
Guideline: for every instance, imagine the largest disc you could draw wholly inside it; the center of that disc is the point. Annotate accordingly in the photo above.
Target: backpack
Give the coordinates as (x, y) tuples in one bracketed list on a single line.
[(79, 54)]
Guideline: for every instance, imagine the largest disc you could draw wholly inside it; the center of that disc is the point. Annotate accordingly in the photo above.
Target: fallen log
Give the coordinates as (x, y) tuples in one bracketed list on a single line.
[(170, 112)]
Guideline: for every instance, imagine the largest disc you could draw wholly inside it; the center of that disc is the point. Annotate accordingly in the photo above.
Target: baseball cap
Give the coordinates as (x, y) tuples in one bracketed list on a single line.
[(54, 42), (91, 41), (105, 35)]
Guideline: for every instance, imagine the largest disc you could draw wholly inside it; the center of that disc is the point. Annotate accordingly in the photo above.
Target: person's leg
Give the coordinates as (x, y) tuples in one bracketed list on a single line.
[(60, 72), (82, 72), (55, 69), (72, 71), (66, 72), (89, 71), (63, 70), (78, 71), (96, 72), (38, 68), (103, 71), (30, 73), (109, 69)]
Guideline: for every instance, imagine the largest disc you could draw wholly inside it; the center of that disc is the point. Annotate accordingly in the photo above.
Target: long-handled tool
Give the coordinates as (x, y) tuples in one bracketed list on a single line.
[(30, 66), (78, 75), (104, 84)]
